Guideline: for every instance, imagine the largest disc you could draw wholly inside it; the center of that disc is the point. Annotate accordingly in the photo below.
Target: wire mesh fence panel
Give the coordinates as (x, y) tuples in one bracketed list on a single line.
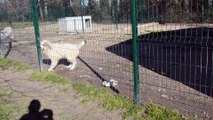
[(174, 40), (14, 43), (176, 55), (174, 44), (103, 28)]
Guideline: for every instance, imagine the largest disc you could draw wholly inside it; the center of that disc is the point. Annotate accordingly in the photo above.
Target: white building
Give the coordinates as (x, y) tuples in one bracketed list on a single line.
[(74, 24)]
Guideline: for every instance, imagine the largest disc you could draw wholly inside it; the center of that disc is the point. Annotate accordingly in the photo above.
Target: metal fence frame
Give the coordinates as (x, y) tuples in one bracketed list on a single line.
[(144, 18)]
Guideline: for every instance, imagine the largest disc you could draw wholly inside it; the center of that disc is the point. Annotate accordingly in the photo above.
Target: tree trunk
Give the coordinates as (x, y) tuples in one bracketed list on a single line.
[(70, 3), (40, 10), (45, 8), (186, 5)]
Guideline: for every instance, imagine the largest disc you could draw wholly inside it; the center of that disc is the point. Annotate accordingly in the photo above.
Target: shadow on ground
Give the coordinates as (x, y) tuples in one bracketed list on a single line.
[(66, 62), (183, 55), (34, 112), (62, 61)]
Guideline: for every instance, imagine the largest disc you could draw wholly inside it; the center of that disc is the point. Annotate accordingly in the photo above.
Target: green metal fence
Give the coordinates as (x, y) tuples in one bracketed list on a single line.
[(158, 51)]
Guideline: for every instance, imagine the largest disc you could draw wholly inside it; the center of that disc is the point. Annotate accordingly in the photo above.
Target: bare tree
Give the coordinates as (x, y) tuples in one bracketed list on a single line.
[(15, 10), (55, 2)]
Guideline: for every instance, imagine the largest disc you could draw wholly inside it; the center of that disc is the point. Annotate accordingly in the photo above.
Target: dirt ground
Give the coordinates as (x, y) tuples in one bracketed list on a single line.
[(65, 106), (96, 64)]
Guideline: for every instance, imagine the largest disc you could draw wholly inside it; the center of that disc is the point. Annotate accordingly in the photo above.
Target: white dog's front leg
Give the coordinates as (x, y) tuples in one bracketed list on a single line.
[(53, 65), (50, 69)]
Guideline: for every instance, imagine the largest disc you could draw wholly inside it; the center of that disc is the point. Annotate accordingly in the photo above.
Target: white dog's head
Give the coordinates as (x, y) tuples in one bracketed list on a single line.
[(45, 45), (7, 33)]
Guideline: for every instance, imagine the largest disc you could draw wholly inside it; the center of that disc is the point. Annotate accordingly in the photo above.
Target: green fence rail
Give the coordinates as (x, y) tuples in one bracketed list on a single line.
[(37, 34), (135, 52)]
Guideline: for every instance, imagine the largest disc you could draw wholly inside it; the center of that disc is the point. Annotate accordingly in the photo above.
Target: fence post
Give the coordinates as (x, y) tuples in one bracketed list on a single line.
[(37, 35), (82, 19), (135, 51), (116, 12), (142, 11)]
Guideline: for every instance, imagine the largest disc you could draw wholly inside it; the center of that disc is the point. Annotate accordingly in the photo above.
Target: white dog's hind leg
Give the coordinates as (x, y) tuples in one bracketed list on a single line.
[(73, 65), (53, 65), (69, 66)]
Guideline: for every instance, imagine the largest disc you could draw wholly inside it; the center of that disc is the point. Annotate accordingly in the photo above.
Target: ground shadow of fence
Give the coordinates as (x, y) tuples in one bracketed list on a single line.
[(66, 62), (183, 55)]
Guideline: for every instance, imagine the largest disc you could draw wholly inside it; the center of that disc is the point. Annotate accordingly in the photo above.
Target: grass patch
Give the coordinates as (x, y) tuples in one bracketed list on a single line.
[(8, 110), (16, 25), (81, 37), (153, 112), (160, 112), (21, 25), (49, 77), (114, 102), (107, 99), (152, 31), (7, 63), (126, 66)]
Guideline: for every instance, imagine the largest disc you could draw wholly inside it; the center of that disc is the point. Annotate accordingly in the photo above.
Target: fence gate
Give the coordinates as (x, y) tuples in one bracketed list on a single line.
[(166, 44)]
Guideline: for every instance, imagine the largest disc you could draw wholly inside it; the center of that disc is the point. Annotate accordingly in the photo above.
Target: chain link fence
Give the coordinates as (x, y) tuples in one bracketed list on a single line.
[(175, 49), (174, 38), (174, 41)]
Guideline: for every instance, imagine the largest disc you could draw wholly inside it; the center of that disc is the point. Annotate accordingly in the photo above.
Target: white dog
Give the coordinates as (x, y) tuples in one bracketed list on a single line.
[(7, 33), (57, 51)]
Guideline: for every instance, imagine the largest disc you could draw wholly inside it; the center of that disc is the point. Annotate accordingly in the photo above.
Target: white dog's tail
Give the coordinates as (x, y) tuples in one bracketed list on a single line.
[(82, 44)]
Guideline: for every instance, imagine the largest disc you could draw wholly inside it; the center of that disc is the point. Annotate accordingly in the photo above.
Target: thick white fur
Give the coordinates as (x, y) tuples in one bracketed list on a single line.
[(7, 33), (57, 51)]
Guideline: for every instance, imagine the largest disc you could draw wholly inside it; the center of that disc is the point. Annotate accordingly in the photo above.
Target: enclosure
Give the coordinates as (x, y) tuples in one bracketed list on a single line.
[(172, 55)]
